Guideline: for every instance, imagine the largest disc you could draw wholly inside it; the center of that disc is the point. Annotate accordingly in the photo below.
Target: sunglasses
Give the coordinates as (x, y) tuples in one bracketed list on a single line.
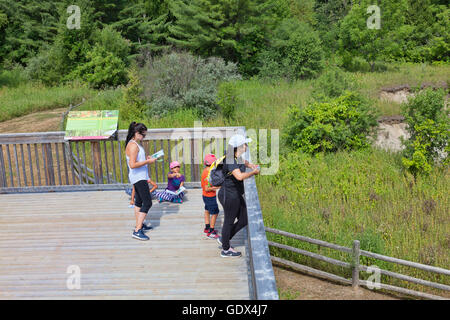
[(143, 134)]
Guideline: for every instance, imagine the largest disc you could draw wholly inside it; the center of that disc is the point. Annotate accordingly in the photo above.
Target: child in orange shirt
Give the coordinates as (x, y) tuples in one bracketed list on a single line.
[(209, 198)]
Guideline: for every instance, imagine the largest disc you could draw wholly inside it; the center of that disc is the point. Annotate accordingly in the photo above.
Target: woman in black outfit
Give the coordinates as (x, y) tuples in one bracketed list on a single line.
[(231, 194)]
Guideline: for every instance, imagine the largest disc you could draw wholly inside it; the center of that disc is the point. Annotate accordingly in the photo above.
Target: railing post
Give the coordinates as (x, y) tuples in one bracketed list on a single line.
[(355, 264), (97, 162), (49, 160), (3, 182)]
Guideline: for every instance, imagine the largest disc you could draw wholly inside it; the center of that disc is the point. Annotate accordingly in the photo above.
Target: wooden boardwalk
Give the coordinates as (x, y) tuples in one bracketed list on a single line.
[(43, 234)]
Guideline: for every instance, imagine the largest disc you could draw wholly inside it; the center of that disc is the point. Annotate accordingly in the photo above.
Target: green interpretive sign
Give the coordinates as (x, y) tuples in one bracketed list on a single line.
[(91, 125)]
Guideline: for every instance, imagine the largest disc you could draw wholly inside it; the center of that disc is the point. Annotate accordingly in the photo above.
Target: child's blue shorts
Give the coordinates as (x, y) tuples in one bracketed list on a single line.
[(211, 204)]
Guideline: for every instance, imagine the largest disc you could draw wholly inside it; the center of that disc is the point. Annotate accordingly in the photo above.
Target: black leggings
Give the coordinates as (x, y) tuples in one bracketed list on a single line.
[(142, 196), (234, 207)]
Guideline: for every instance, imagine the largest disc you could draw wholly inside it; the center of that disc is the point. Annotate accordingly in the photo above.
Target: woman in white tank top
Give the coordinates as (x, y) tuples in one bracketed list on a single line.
[(137, 164)]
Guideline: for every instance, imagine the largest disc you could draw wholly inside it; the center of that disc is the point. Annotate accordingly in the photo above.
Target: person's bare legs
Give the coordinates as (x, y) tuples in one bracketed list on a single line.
[(136, 212), (206, 217), (140, 217), (213, 220)]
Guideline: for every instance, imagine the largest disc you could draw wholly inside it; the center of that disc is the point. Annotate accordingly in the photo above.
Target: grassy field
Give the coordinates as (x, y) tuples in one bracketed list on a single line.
[(364, 196), (27, 98), (268, 100), (264, 104)]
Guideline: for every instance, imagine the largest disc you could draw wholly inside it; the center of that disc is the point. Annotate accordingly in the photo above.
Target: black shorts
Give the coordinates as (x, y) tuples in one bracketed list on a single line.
[(142, 197), (211, 204)]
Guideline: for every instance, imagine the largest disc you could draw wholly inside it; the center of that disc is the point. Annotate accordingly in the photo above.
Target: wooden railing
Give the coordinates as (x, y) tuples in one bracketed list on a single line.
[(44, 161), (356, 267)]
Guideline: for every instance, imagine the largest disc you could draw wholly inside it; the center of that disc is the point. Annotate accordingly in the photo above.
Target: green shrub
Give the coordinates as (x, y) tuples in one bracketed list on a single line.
[(342, 123), (202, 99), (101, 69), (113, 41), (356, 64), (132, 104), (182, 81), (227, 99), (429, 129), (295, 52), (332, 83), (12, 78), (44, 68)]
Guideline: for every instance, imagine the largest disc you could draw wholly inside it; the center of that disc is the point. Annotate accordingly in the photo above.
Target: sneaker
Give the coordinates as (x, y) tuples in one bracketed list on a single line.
[(146, 227), (161, 200), (230, 253), (219, 240), (213, 235), (140, 235), (206, 230)]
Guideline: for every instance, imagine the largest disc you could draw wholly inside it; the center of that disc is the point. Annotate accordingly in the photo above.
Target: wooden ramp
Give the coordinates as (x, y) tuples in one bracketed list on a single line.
[(43, 234)]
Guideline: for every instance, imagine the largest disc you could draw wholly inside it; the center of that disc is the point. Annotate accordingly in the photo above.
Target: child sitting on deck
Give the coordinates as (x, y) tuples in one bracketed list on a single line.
[(175, 182)]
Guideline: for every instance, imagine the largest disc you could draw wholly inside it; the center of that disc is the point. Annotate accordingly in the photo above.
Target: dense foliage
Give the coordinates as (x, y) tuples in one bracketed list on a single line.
[(260, 36), (429, 128), (342, 123)]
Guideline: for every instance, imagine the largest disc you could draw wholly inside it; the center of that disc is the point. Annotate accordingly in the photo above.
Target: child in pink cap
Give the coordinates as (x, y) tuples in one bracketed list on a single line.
[(175, 180)]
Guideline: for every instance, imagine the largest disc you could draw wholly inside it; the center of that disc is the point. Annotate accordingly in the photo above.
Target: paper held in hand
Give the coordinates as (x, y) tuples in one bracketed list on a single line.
[(159, 154), (181, 189)]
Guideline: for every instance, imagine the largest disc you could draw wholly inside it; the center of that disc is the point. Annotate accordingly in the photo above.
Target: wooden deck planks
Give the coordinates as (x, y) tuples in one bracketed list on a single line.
[(42, 234)]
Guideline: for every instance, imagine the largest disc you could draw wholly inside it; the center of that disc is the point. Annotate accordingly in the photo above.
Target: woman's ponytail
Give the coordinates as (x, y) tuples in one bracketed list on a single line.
[(131, 132)]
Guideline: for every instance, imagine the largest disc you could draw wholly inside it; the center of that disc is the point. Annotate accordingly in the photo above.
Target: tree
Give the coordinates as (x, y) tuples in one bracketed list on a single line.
[(145, 24), (195, 28), (3, 22), (357, 39), (294, 52), (102, 68), (328, 16), (31, 24), (235, 30)]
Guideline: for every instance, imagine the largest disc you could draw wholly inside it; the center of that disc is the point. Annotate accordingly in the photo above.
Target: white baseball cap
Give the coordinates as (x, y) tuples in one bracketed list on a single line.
[(238, 140)]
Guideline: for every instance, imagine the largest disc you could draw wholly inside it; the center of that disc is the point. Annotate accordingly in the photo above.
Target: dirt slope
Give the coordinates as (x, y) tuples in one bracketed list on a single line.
[(294, 285), (36, 122)]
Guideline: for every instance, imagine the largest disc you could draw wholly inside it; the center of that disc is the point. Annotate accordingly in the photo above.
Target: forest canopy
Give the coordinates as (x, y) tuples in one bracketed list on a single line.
[(269, 38)]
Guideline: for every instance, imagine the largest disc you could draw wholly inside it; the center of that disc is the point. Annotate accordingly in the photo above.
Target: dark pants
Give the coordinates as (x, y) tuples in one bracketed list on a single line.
[(142, 197), (234, 207)]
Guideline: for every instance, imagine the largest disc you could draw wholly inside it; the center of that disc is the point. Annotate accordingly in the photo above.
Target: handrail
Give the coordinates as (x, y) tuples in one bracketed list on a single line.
[(357, 267), (152, 134), (263, 279), (51, 157)]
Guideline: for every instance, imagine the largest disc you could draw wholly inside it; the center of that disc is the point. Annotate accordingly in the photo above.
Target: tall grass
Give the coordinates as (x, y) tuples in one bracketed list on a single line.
[(362, 195), (265, 104), (370, 84), (29, 97)]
